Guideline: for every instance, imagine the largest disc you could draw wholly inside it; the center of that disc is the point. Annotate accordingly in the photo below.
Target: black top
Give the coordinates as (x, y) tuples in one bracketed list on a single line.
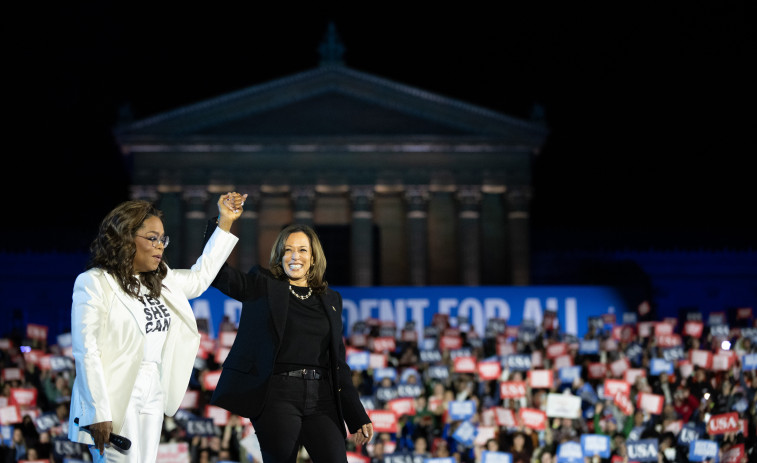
[(306, 335)]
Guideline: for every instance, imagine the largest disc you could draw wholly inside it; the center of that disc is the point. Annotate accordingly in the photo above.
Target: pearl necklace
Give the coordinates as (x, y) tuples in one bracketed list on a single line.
[(310, 291)]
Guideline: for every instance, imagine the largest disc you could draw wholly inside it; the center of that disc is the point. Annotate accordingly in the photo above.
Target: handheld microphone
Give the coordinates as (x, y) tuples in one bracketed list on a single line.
[(116, 440)]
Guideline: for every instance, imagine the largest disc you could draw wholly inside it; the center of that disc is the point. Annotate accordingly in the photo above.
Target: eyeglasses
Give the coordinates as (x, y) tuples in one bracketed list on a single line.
[(164, 240)]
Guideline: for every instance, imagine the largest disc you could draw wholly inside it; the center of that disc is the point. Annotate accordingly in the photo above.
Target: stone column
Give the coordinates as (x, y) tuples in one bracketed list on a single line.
[(417, 228), (248, 232), (172, 205), (195, 221), (518, 200), (495, 261), (303, 201), (361, 234), (443, 258), (469, 200)]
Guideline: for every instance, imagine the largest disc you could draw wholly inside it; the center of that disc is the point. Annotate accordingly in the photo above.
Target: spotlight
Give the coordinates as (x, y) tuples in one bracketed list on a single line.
[(725, 345)]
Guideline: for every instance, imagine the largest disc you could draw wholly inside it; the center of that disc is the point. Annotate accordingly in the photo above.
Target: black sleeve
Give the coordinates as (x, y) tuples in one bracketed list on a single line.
[(229, 280)]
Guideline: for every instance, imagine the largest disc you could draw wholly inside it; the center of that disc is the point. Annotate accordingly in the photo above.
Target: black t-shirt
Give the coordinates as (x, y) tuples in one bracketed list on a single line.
[(305, 343)]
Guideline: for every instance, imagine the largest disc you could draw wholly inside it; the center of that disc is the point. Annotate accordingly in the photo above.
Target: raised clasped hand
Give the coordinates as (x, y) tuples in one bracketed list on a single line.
[(230, 205)]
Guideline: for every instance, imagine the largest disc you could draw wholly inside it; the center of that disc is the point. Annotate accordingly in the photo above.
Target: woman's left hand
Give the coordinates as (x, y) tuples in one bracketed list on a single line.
[(364, 434), (230, 209)]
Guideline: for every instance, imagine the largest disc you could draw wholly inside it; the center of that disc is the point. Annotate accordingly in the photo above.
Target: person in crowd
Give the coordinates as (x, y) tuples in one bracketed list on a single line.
[(286, 370), (133, 331)]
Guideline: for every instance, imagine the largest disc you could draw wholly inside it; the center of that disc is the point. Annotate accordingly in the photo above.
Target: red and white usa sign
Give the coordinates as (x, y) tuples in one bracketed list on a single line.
[(723, 423), (512, 389)]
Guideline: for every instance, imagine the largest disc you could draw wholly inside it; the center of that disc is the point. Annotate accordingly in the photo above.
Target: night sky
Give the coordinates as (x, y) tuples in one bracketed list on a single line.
[(650, 108)]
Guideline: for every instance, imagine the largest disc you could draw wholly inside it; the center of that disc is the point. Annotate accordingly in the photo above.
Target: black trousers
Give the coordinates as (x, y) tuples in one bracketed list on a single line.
[(300, 412)]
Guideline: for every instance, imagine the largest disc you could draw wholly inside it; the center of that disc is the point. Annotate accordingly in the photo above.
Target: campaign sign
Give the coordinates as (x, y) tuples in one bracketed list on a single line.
[(615, 386), (191, 399), (588, 346), (219, 415), (517, 362), (358, 361), (386, 372), (450, 342), (384, 344), (619, 367), (377, 360), (693, 329), (749, 362), (385, 394), (465, 364), (201, 427), (642, 450), (533, 418), (437, 372), (562, 362), (210, 379), (23, 396), (723, 423), (673, 354), (645, 328), (563, 406), (505, 417), (735, 454), (597, 370), (658, 366), (409, 390), (701, 450), (631, 374), (353, 457), (460, 410), (650, 402), (383, 420), (570, 452), (541, 379), (557, 349), (46, 421), (440, 460), (569, 374), (64, 449), (689, 433), (402, 406), (496, 457), (430, 356), (595, 444), (465, 434), (489, 370), (701, 358)]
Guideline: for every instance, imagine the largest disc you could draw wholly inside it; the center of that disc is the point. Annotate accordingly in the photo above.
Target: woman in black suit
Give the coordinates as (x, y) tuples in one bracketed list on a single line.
[(286, 370)]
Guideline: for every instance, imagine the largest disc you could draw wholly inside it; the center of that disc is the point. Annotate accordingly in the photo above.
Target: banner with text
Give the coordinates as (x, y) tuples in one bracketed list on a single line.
[(574, 306)]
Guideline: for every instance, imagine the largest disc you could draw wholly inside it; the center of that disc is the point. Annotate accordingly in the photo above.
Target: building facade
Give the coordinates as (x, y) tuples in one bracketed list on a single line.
[(405, 187)]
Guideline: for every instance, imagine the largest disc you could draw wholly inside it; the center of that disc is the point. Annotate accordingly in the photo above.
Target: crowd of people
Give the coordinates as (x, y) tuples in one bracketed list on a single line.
[(653, 389)]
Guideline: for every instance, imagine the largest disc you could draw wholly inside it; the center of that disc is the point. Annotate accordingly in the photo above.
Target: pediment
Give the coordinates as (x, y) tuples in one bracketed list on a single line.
[(331, 101)]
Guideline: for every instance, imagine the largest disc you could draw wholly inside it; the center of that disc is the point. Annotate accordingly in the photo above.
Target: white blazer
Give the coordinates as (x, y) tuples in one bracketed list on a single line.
[(109, 338)]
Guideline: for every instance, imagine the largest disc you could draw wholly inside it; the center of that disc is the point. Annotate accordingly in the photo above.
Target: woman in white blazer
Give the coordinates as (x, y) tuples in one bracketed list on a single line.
[(134, 334)]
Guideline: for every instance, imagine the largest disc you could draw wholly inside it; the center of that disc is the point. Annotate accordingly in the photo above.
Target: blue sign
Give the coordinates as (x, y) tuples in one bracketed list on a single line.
[(402, 304), (749, 362), (689, 433), (701, 450), (496, 457), (642, 450), (387, 372), (570, 452), (358, 361), (517, 362), (588, 346), (569, 374), (658, 366), (595, 444), (465, 433), (460, 410), (440, 460)]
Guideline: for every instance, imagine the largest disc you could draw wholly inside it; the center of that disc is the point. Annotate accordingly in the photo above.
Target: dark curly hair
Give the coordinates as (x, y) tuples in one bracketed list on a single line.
[(113, 248), (317, 269)]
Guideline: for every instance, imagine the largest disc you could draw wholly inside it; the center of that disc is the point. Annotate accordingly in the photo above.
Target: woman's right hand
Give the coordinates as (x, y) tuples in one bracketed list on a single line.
[(230, 209), (101, 434)]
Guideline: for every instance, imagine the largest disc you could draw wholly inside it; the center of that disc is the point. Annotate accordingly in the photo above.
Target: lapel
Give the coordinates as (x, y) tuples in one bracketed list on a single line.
[(135, 307), (334, 315)]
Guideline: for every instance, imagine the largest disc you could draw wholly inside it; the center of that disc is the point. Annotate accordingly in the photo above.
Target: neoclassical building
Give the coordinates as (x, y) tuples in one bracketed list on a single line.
[(404, 187)]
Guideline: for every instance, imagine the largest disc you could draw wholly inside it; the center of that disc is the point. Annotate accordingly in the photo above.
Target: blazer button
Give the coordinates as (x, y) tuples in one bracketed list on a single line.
[(340, 389)]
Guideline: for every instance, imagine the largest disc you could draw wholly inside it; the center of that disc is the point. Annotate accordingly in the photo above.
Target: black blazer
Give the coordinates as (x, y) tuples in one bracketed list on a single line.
[(243, 386)]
